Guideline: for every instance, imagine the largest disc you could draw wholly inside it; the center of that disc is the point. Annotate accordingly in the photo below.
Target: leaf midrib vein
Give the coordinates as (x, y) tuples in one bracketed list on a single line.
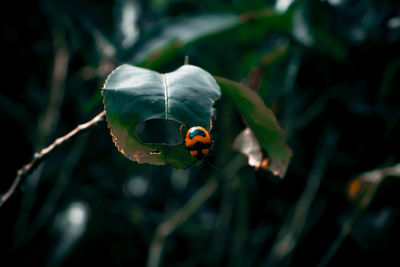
[(164, 79)]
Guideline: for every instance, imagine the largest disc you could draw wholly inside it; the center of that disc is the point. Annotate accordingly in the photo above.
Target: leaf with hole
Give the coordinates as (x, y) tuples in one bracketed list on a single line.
[(140, 103)]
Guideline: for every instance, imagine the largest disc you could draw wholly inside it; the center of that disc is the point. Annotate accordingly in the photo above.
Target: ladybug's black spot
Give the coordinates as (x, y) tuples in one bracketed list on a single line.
[(198, 146), (197, 132)]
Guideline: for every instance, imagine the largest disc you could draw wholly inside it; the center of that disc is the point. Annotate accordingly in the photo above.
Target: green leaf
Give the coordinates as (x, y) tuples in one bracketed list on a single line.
[(176, 33), (261, 121), (134, 95)]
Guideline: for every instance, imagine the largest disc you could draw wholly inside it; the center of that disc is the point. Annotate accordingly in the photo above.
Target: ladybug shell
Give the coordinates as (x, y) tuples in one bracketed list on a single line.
[(198, 142)]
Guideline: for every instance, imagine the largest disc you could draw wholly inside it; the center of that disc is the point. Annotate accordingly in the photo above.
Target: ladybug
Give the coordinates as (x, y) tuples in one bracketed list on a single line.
[(198, 142)]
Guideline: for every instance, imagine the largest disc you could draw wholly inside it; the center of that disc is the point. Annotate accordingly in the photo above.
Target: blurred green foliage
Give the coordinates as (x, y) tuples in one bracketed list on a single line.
[(329, 69)]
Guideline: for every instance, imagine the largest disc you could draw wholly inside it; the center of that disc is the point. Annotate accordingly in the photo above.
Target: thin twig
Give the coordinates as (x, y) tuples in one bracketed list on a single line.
[(222, 228), (241, 220), (59, 74), (45, 152), (292, 230), (168, 226), (257, 74), (60, 185), (46, 125), (376, 176)]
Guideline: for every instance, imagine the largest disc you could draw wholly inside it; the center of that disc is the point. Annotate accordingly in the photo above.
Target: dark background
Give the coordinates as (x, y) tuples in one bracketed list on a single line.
[(337, 99)]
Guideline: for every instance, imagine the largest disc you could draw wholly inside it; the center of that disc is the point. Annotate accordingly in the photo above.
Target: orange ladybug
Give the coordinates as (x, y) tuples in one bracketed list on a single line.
[(198, 142)]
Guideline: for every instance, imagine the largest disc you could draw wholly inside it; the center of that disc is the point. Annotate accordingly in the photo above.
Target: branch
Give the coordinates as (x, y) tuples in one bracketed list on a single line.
[(293, 228), (59, 74), (46, 124), (45, 152), (168, 226)]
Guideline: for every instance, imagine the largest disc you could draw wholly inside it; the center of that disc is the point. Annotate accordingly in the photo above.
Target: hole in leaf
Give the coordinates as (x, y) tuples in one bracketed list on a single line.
[(159, 131), (183, 130)]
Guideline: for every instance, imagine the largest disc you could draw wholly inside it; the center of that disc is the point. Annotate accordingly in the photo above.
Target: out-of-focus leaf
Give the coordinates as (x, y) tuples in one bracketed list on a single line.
[(391, 71), (176, 33), (262, 122), (274, 55), (362, 188), (313, 36), (127, 13), (374, 231), (258, 76), (260, 21), (329, 44), (301, 29), (134, 95), (158, 56)]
